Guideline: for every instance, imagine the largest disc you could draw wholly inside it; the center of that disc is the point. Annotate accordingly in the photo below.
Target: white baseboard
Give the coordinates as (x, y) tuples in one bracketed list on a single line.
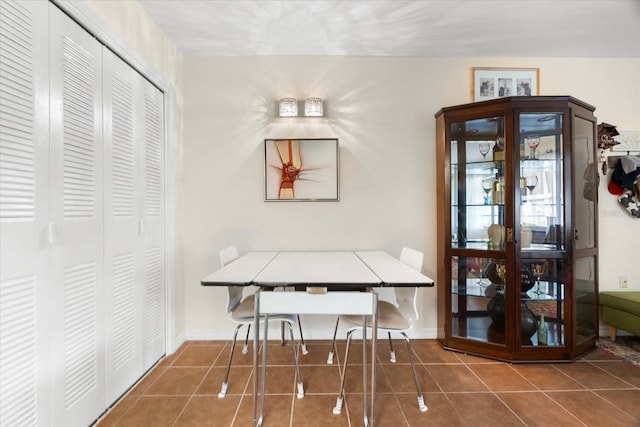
[(317, 334), (309, 334), (176, 343)]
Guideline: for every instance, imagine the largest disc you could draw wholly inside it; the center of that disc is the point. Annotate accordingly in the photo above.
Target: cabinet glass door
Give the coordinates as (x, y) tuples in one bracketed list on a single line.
[(478, 267), (584, 232), (542, 223)]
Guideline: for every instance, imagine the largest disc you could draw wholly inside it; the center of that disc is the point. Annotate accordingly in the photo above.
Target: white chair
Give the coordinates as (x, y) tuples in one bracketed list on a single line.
[(242, 313), (398, 318)]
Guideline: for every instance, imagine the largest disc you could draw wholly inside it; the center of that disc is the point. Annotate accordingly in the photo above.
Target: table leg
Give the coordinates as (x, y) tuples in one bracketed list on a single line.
[(256, 346), (264, 369), (364, 371), (374, 353)]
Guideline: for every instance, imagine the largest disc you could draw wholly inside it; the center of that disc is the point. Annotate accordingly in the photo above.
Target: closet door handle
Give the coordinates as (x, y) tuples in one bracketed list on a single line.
[(52, 233)]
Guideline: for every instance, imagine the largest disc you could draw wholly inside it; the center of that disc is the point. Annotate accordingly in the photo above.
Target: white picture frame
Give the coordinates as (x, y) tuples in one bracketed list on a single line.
[(496, 82)]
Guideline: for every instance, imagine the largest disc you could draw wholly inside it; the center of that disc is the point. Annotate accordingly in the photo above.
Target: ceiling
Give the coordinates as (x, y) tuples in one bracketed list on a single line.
[(525, 28)]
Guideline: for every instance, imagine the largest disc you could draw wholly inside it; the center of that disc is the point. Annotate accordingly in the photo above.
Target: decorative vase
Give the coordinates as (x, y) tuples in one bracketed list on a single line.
[(496, 235), (528, 322), (527, 280), (543, 333), (490, 291), (495, 308), (526, 236), (491, 273)]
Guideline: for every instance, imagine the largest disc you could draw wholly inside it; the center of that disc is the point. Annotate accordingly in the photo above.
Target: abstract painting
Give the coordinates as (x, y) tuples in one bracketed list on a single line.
[(301, 169)]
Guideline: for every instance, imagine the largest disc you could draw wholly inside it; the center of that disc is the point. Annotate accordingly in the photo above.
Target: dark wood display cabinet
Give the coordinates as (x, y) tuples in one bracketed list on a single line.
[(517, 235)]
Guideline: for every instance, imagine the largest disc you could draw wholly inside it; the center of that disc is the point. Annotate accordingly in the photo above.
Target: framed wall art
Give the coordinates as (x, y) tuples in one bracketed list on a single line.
[(490, 83), (301, 169)]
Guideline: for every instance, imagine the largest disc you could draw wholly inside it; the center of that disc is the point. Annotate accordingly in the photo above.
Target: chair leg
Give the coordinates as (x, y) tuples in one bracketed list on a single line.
[(304, 346), (421, 405), (225, 383), (333, 343), (282, 340), (264, 367), (300, 394), (392, 355), (338, 408), (245, 347)]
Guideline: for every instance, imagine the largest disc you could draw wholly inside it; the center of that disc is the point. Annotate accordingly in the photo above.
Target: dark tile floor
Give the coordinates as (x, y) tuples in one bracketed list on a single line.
[(460, 390)]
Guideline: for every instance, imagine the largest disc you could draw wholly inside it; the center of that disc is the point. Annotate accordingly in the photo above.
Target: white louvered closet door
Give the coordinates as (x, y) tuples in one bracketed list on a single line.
[(123, 136), (24, 215), (134, 225), (152, 226), (77, 303)]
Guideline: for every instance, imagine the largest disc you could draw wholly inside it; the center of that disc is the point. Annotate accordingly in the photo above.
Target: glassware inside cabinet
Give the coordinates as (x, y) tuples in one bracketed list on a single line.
[(477, 183), (541, 181), (542, 299), (478, 292)]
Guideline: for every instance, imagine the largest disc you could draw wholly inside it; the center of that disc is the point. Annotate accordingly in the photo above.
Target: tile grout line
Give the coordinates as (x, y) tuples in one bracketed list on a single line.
[(446, 395), (298, 353), (632, 387), (194, 393), (249, 382), (131, 389), (594, 390), (615, 406), (395, 395), (495, 394), (402, 417), (240, 400), (586, 389), (546, 395), (196, 388), (610, 373)]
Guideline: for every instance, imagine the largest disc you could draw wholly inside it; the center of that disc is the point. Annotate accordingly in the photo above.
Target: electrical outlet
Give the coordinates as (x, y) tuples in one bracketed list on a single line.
[(623, 282)]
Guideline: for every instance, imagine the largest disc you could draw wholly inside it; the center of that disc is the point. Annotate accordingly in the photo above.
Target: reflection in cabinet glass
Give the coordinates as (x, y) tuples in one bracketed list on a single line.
[(517, 176)]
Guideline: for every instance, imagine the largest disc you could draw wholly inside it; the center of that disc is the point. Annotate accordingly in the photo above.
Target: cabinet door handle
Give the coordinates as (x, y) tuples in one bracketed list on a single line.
[(509, 235), (575, 234)]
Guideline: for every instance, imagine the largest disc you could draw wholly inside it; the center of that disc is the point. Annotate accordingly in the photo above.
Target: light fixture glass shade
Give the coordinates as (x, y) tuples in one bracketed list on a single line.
[(313, 107), (288, 107)]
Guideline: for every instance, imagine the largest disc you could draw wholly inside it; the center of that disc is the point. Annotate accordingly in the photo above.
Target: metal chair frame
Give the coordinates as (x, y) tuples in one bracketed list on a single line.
[(234, 303), (406, 299)]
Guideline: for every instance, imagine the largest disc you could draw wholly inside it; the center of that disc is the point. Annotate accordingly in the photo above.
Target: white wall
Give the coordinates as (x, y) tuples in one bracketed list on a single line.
[(382, 111)]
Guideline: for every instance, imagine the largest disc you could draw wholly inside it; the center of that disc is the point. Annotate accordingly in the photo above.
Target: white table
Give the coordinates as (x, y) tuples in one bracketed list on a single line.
[(319, 272)]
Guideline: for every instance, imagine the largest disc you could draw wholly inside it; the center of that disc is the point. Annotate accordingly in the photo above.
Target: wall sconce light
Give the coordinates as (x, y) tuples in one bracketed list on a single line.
[(313, 107), (288, 107)]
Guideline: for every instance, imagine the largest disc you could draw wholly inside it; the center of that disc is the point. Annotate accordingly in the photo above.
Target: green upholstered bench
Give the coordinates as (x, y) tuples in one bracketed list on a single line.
[(620, 310)]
